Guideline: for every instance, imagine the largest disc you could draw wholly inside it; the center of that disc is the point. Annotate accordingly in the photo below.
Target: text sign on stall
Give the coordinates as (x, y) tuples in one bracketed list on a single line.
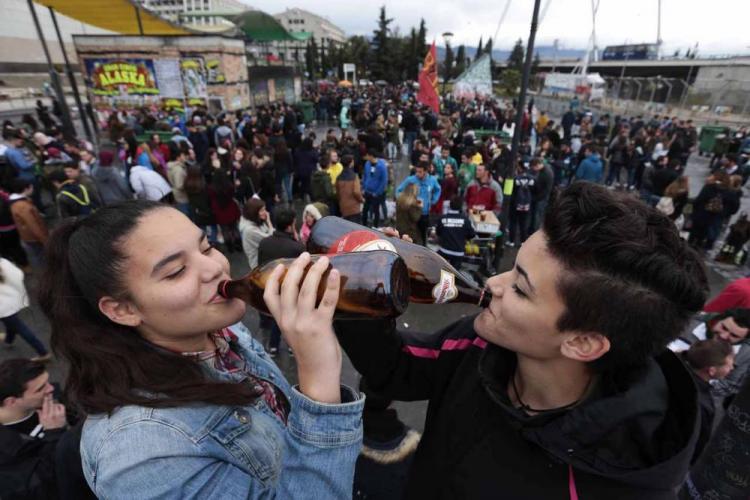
[(120, 77)]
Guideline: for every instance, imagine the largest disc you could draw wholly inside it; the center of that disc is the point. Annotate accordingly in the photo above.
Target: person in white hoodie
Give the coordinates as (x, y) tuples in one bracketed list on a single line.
[(149, 185), (13, 298), (255, 225)]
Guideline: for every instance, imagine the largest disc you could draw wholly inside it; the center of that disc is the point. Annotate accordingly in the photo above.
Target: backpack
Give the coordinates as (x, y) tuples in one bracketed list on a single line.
[(522, 192), (715, 205), (87, 205), (321, 188)]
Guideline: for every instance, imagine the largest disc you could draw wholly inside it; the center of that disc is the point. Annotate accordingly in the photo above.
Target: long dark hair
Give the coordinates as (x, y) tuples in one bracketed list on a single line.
[(111, 365)]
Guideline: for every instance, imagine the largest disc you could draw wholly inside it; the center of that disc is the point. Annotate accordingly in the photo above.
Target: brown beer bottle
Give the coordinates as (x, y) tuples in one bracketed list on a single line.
[(433, 279), (373, 285)]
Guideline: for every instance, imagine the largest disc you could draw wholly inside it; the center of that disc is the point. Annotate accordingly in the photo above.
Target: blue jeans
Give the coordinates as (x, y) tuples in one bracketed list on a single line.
[(15, 325), (286, 186), (373, 204), (35, 252), (409, 138)]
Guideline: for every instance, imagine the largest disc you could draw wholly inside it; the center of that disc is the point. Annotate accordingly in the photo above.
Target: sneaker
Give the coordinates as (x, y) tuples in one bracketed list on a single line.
[(273, 351)]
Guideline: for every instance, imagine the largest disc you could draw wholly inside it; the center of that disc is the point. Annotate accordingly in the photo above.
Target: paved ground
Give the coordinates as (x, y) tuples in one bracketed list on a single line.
[(417, 317)]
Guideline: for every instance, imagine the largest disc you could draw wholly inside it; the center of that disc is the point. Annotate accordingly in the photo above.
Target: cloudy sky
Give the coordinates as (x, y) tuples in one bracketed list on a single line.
[(719, 26)]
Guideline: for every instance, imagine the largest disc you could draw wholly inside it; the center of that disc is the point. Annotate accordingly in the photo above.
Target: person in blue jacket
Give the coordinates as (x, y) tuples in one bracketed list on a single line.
[(429, 193), (181, 402), (591, 168), (374, 185)]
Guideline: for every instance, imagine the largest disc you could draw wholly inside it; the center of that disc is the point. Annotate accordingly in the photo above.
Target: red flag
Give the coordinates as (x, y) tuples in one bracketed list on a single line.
[(428, 81)]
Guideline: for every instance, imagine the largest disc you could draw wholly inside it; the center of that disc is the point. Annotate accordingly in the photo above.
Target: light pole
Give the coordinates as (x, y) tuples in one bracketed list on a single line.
[(447, 39)]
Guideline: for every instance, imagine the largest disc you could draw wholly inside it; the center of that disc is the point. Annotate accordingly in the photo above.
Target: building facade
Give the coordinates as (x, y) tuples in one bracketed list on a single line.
[(324, 32), (179, 11)]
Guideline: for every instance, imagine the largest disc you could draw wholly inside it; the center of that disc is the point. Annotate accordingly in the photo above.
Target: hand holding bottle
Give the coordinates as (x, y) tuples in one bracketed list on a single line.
[(308, 329)]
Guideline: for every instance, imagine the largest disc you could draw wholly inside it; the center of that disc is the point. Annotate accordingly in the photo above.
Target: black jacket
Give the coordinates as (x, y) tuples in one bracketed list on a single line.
[(279, 245), (27, 465), (632, 438), (453, 229)]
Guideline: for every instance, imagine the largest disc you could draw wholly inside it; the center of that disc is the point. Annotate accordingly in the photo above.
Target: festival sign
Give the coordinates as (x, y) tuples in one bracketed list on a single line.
[(194, 77), (122, 77)]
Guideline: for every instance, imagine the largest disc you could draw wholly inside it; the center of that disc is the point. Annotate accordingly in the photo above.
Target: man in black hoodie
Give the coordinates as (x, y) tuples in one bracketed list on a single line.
[(561, 388)]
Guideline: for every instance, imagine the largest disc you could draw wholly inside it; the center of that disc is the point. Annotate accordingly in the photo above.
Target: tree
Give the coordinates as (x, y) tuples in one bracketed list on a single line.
[(510, 80), (479, 49), (448, 62), (411, 54), (535, 64), (421, 41), (383, 60), (324, 61), (311, 58), (460, 61), (488, 48), (515, 59)]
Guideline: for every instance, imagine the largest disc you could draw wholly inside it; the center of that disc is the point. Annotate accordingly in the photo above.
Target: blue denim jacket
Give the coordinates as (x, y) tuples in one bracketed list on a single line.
[(203, 451)]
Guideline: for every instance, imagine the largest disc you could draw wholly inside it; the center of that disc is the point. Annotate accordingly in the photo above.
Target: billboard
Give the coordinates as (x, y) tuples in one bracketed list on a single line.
[(632, 52), (122, 77)]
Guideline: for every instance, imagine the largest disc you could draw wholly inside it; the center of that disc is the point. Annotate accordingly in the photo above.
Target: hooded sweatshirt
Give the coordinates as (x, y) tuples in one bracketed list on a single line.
[(632, 437)]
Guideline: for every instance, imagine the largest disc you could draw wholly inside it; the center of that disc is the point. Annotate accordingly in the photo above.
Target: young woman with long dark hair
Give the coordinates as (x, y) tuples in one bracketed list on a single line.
[(181, 401)]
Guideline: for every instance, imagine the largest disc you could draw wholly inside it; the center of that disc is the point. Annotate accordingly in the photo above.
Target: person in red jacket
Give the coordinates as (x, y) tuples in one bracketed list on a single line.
[(735, 295), (484, 192)]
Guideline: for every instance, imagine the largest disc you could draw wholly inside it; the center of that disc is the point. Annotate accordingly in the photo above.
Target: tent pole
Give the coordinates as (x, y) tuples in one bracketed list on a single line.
[(71, 78), (67, 123)]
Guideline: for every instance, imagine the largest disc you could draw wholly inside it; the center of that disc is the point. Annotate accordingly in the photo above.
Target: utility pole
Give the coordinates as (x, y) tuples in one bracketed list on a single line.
[(521, 104)]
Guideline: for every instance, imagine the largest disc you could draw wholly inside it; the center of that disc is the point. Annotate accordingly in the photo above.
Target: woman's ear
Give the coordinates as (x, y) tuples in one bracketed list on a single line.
[(120, 311), (586, 346)]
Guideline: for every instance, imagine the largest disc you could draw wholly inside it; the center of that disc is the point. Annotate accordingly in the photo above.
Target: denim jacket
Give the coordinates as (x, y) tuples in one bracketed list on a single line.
[(204, 451)]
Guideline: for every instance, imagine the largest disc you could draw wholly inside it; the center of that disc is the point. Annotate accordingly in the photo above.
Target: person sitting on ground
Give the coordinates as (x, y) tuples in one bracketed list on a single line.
[(453, 230), (550, 380), (310, 215), (255, 225), (31, 424)]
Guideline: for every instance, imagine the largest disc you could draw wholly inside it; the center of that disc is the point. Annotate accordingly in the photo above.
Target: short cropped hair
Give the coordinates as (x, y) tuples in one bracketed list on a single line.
[(627, 274)]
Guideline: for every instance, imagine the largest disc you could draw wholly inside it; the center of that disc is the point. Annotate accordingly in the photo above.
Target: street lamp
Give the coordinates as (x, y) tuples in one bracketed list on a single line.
[(447, 39)]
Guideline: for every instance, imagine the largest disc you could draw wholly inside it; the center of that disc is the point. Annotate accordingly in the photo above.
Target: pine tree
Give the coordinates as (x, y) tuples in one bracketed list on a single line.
[(382, 53), (515, 59), (488, 48), (324, 63), (311, 58), (412, 56), (448, 62), (479, 49), (460, 61), (535, 64), (421, 41)]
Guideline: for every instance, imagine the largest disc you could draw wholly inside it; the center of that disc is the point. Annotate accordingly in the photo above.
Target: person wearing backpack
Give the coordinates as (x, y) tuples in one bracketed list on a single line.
[(523, 187), (321, 189), (72, 198), (708, 209)]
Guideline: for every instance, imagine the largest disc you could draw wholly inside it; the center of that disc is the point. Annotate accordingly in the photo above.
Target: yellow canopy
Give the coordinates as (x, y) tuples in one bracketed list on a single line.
[(115, 15)]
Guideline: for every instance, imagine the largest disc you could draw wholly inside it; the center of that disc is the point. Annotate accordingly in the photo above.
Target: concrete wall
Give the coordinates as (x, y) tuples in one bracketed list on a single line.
[(234, 93), (722, 86)]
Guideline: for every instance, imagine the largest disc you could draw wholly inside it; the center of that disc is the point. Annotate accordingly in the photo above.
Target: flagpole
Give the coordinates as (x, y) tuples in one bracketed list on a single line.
[(522, 102)]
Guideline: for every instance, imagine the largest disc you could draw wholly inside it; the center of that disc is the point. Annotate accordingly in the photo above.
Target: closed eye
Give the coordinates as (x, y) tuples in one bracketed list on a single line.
[(518, 291)]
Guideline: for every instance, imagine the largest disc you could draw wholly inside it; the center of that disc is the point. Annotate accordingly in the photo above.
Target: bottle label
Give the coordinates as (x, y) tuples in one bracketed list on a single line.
[(360, 241), (445, 290)]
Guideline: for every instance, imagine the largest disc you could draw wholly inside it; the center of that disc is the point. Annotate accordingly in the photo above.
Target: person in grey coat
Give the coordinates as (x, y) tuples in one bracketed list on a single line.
[(110, 183)]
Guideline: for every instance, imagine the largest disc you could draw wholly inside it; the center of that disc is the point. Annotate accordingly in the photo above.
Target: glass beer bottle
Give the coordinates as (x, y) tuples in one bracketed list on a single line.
[(375, 285), (433, 279)]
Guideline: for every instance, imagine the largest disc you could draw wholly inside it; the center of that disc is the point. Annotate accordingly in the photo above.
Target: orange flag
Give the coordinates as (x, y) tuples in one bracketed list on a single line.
[(428, 81)]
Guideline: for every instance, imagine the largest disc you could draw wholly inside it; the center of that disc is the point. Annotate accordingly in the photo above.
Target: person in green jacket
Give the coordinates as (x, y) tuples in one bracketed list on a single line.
[(467, 172)]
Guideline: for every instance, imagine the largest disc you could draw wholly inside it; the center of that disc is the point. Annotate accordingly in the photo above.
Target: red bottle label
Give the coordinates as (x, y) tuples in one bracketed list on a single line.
[(360, 241)]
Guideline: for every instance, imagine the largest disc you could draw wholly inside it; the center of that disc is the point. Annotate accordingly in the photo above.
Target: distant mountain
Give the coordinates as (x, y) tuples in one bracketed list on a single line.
[(544, 51)]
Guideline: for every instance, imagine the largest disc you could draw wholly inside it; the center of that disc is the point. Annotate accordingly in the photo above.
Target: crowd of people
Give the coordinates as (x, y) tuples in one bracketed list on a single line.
[(127, 240)]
